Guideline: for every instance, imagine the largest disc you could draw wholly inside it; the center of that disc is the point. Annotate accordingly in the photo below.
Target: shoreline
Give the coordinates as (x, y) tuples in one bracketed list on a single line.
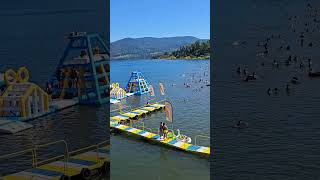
[(163, 59)]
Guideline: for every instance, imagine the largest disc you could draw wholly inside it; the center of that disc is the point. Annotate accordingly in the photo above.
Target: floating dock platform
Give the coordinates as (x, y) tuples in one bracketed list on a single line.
[(74, 166), (138, 112), (11, 125), (171, 142), (117, 122)]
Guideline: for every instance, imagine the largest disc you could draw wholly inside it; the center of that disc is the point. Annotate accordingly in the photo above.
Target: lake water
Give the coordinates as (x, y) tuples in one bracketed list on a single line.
[(32, 35), (281, 141), (136, 159)]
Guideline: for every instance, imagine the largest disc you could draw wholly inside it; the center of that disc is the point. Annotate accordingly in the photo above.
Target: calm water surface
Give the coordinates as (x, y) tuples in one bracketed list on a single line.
[(282, 140), (136, 159)]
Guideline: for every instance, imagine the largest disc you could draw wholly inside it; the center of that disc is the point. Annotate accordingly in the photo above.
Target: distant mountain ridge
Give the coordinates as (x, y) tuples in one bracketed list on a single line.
[(147, 47)]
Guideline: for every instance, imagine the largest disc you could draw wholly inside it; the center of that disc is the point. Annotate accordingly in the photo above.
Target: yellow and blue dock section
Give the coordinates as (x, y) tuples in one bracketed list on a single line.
[(80, 164), (118, 123), (172, 142), (138, 112)]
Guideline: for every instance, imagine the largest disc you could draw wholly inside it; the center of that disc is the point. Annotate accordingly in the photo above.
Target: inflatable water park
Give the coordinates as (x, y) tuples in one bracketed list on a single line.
[(129, 121), (137, 85), (81, 77)]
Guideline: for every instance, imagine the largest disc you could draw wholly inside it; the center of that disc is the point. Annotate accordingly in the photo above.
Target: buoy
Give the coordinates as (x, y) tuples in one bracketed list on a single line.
[(10, 76), (23, 75)]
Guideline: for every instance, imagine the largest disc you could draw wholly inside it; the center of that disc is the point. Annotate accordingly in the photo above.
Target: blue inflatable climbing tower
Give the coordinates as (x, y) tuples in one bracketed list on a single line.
[(137, 84), (83, 70)]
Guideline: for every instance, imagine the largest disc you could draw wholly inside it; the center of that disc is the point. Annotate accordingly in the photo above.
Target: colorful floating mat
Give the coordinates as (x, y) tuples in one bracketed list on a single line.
[(172, 142), (138, 112)]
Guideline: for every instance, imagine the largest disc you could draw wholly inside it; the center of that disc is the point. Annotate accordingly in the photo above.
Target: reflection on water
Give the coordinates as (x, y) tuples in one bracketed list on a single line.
[(139, 159)]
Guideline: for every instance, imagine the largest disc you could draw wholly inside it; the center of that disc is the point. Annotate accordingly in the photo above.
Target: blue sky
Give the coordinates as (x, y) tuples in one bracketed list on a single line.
[(159, 18)]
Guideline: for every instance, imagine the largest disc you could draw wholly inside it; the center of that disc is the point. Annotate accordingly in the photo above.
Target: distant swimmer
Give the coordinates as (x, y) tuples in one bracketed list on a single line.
[(288, 88), (275, 63), (309, 63), (239, 70), (288, 48), (294, 80), (245, 71), (269, 91), (251, 77), (310, 44), (241, 124), (301, 42), (302, 35)]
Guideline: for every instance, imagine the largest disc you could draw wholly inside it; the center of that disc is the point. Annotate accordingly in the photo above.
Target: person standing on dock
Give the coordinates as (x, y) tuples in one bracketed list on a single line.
[(161, 130), (165, 131)]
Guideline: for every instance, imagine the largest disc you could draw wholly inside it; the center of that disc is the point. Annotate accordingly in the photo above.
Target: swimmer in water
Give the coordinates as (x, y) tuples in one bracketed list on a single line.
[(269, 91), (289, 58), (254, 75), (309, 63), (301, 65), (288, 88), (239, 70), (241, 124)]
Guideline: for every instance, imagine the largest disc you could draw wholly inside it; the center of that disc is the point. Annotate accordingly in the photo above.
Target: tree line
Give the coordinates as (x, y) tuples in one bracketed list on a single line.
[(196, 50)]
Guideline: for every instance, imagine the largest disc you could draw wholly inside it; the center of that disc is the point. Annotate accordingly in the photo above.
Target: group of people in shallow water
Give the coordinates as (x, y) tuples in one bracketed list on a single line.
[(193, 80), (302, 64), (294, 53), (245, 74), (163, 129)]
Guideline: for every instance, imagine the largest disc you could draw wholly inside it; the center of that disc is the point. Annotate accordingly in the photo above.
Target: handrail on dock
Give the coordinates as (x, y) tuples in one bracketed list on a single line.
[(132, 109), (65, 156), (66, 152), (200, 136), (33, 152), (19, 153), (96, 147)]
